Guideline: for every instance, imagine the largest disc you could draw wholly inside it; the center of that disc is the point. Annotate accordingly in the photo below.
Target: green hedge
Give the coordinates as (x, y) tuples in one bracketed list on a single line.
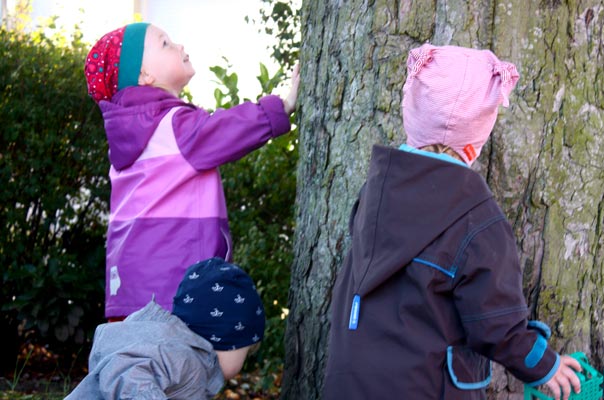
[(53, 202), (261, 190), (55, 193)]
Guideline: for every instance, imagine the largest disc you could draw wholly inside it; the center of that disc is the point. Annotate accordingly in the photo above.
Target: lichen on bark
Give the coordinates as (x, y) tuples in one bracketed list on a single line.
[(544, 161)]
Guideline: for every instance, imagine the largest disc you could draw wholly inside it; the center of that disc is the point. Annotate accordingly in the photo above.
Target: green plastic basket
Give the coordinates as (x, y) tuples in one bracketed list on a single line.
[(591, 383)]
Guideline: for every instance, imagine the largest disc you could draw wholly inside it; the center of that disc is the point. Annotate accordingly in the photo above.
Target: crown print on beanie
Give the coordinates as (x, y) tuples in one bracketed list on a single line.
[(452, 95), (114, 62), (219, 301)]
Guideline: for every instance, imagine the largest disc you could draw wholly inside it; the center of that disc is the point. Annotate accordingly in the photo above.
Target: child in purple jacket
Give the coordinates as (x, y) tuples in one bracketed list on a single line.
[(168, 207)]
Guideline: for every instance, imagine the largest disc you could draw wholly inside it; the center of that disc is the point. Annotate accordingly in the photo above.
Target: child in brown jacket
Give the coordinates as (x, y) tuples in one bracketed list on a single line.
[(431, 289)]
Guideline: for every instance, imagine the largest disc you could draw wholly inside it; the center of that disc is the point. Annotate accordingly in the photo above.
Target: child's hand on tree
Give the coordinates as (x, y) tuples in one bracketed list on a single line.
[(564, 378), (290, 101)]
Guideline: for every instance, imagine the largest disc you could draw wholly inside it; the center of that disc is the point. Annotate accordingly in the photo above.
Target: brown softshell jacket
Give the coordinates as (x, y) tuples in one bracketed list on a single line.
[(434, 264)]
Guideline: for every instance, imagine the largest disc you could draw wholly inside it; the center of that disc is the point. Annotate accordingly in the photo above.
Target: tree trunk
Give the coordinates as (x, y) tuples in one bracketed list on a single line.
[(544, 162)]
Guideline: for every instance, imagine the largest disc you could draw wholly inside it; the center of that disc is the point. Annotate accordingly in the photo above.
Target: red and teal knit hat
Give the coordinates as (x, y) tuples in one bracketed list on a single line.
[(114, 62)]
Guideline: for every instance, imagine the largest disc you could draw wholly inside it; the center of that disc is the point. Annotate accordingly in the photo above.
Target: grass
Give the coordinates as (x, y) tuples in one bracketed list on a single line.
[(27, 389), (243, 387), (38, 376)]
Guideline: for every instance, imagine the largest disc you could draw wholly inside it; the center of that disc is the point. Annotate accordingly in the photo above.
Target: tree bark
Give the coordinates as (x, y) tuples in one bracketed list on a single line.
[(544, 161)]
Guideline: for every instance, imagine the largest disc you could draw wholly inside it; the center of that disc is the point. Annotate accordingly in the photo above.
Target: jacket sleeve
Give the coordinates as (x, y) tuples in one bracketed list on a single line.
[(489, 298), (210, 140), (154, 372)]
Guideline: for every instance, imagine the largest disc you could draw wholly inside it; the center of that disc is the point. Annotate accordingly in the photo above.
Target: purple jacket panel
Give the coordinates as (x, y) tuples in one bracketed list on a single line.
[(131, 118), (168, 208), (147, 257), (229, 134)]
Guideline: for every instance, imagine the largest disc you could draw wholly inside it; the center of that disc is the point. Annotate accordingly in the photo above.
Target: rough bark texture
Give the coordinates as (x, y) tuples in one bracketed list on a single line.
[(544, 161)]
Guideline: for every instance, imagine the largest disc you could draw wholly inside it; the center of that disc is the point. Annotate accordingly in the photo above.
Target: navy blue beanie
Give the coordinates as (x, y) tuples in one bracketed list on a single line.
[(219, 302)]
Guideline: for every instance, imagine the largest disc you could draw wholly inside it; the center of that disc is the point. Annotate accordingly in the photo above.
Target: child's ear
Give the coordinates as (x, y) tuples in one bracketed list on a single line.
[(145, 79)]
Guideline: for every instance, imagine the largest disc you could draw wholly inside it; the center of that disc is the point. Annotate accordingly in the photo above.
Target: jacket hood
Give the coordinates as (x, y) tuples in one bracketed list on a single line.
[(153, 313), (408, 200), (131, 118)]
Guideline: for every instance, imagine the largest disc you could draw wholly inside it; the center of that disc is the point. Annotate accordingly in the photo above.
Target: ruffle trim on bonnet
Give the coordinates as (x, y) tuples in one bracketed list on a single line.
[(421, 56)]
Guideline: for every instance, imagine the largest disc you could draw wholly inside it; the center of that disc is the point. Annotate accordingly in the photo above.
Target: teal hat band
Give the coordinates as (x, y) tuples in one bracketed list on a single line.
[(131, 56)]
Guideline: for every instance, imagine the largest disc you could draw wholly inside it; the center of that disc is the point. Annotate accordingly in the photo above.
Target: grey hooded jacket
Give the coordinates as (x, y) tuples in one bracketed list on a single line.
[(150, 355)]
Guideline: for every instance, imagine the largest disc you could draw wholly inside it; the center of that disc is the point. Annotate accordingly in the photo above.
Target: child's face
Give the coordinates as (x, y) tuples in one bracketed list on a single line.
[(165, 64), (231, 361)]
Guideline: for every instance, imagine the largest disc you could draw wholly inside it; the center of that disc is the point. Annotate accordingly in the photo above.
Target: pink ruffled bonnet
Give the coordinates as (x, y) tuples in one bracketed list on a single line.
[(452, 95)]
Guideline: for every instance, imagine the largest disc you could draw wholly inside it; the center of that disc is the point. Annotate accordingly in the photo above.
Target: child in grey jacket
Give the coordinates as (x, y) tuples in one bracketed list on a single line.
[(216, 320)]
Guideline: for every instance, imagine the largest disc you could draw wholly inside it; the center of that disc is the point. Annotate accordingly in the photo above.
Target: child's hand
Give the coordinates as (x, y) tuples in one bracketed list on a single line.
[(290, 101), (565, 377)]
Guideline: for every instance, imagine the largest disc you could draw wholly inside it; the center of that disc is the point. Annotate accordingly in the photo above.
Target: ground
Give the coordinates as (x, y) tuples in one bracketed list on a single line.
[(37, 377)]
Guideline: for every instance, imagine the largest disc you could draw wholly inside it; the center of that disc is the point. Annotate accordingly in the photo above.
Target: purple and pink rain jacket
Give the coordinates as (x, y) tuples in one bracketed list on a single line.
[(168, 207)]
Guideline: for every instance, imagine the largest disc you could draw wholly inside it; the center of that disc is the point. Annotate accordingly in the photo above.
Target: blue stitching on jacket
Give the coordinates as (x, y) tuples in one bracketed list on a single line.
[(377, 217), (472, 234), (356, 302), (465, 242), (496, 313), (435, 266)]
